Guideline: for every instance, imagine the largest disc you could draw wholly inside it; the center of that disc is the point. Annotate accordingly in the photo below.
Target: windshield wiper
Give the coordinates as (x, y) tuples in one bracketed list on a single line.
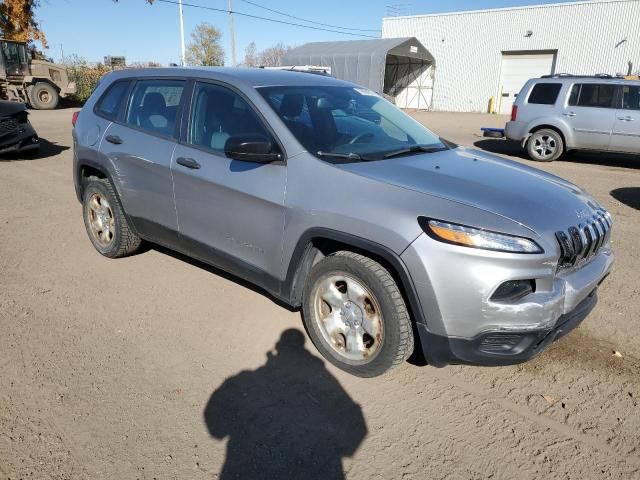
[(347, 156), (413, 149)]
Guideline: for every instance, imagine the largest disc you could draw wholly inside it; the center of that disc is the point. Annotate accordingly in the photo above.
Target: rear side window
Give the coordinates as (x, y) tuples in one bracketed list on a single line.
[(631, 98), (113, 99), (154, 105), (544, 93), (593, 95)]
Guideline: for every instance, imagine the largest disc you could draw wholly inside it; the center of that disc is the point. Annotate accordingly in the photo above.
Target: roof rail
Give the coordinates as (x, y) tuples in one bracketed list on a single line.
[(570, 75)]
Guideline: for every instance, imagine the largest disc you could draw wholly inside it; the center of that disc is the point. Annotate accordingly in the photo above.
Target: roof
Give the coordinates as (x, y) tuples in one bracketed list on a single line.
[(561, 4), (253, 77), (358, 61)]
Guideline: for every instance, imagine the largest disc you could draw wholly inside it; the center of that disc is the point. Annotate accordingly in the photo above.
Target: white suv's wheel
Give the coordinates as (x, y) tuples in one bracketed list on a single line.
[(356, 315), (545, 145)]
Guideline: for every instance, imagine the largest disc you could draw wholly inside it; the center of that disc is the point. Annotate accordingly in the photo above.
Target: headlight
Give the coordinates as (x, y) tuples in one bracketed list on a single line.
[(477, 238)]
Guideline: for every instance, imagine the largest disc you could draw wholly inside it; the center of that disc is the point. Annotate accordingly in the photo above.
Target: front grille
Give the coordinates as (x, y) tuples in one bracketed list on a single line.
[(8, 126), (583, 242)]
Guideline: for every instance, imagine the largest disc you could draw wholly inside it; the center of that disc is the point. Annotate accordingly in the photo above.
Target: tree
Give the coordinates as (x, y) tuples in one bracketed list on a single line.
[(17, 21), (205, 49), (272, 56), (251, 55)]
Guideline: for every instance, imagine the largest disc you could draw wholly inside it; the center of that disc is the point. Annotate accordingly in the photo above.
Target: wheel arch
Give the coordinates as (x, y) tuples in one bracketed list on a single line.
[(317, 243), (562, 130), (86, 169), (35, 80)]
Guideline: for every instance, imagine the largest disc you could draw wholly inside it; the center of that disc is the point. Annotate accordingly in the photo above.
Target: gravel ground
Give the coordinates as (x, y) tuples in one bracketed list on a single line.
[(155, 367)]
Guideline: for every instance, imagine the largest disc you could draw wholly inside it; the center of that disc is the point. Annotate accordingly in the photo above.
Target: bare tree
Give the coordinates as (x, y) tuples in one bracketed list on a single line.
[(251, 55), (272, 56), (205, 49), (149, 64)]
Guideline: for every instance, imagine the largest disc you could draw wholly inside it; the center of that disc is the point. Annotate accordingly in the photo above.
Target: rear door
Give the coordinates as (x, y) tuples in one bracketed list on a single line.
[(140, 147), (590, 113), (231, 211), (626, 129)]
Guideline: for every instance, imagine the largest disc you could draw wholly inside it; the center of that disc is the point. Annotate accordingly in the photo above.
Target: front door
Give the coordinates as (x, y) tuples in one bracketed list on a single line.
[(141, 148), (626, 129), (233, 210), (590, 113)]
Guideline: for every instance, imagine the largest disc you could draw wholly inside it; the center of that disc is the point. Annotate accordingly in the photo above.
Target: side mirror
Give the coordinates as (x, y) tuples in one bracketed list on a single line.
[(251, 148)]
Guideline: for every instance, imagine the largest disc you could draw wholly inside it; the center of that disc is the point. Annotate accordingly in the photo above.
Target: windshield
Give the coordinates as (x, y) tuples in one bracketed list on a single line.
[(348, 123)]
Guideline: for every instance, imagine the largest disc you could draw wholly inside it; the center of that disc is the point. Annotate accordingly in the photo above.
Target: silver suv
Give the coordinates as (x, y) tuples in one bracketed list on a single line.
[(334, 201), (556, 114)]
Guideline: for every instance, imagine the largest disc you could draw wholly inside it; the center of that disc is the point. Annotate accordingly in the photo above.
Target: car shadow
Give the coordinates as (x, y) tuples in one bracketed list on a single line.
[(289, 418), (217, 271), (47, 149), (607, 159), (630, 196)]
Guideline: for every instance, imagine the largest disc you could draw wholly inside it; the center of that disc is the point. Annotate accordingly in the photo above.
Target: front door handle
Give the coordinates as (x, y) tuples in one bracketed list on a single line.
[(188, 162), (626, 119), (113, 139), (570, 114)]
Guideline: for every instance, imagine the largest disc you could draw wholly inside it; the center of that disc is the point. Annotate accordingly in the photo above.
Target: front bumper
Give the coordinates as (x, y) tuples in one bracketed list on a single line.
[(463, 323), (24, 139), (499, 348)]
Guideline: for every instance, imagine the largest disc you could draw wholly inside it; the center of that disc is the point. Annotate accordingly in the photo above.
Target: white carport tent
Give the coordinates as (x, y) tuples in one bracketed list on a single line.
[(393, 66)]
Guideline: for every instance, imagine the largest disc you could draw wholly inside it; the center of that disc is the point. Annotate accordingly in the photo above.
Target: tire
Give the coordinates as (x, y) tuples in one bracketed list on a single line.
[(545, 145), (43, 96), (365, 298), (105, 221)]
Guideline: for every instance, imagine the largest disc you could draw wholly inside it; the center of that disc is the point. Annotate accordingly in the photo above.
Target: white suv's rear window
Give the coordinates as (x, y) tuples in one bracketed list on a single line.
[(544, 93)]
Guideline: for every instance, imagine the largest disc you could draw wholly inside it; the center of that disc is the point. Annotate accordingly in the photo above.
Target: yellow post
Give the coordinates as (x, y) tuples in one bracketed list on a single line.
[(492, 104)]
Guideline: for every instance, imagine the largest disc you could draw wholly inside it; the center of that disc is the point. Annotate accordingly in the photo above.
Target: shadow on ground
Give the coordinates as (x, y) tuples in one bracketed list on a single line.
[(47, 149), (609, 159), (146, 246), (289, 418), (630, 196)]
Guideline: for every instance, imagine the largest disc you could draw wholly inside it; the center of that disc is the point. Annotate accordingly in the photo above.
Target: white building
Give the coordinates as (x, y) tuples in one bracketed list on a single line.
[(487, 54)]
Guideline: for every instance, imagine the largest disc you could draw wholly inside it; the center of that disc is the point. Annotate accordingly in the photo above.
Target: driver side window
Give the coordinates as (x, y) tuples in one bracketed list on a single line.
[(218, 114)]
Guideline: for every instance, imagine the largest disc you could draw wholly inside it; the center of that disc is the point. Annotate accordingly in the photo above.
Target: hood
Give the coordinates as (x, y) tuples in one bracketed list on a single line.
[(533, 198), (8, 108)]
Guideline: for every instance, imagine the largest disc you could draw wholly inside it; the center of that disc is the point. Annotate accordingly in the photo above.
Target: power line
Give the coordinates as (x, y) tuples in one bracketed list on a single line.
[(309, 21), (222, 10)]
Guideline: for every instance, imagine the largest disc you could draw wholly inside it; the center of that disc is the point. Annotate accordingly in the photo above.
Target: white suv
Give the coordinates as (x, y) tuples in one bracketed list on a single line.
[(555, 114)]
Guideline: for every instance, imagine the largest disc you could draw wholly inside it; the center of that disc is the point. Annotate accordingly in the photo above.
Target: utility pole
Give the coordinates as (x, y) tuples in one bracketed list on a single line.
[(182, 59), (233, 35)]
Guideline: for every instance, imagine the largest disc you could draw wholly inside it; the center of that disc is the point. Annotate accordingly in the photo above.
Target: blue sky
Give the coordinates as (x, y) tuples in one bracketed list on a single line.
[(142, 32)]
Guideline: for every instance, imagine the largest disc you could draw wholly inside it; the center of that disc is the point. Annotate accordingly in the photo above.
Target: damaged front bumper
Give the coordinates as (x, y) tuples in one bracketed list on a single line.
[(464, 324), (22, 138)]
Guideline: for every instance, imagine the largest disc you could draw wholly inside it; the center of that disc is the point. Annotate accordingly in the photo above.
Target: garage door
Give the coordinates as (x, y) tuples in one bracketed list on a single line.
[(516, 70)]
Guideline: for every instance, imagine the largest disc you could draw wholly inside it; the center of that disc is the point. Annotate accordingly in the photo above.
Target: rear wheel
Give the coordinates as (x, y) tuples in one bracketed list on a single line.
[(545, 145), (105, 222), (43, 96), (356, 315)]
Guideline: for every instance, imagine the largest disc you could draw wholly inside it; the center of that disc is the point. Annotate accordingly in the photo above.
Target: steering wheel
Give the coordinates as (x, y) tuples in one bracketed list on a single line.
[(359, 138)]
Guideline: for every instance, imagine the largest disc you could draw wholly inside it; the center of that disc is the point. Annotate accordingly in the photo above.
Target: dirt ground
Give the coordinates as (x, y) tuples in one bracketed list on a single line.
[(155, 367)]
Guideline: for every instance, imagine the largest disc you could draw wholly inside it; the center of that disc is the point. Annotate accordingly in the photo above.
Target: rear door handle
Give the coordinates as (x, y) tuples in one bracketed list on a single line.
[(626, 119), (188, 162), (570, 114), (113, 139)]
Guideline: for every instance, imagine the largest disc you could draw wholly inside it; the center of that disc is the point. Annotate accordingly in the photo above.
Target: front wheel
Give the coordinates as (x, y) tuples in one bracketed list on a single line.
[(545, 145), (356, 316)]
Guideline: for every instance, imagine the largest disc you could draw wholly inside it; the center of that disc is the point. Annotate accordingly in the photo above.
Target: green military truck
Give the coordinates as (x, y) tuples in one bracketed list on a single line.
[(39, 83)]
